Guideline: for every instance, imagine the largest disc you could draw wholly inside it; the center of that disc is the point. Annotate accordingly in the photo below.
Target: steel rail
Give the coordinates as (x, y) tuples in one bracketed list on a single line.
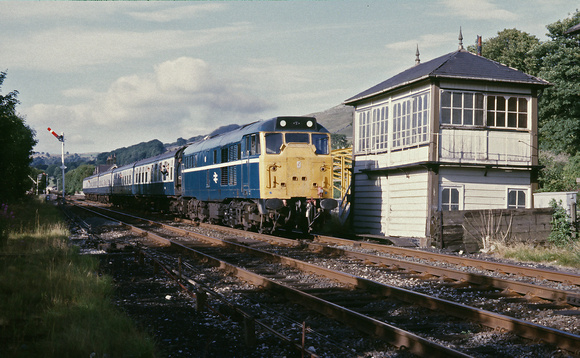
[(567, 341), (371, 326), (564, 277), (473, 278), (178, 276), (150, 235)]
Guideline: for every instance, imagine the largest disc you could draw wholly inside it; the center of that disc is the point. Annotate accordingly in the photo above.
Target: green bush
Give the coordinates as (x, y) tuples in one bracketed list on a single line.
[(561, 233)]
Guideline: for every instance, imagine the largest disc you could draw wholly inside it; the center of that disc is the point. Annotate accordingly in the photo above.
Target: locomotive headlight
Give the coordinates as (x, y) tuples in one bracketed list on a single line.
[(283, 123), (309, 124), (322, 168)]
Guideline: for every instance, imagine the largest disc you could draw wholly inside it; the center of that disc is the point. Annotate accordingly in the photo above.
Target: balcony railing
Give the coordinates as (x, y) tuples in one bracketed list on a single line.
[(495, 147)]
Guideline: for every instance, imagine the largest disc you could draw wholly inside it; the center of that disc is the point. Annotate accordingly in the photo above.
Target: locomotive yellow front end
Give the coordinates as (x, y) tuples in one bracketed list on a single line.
[(296, 172), (296, 168)]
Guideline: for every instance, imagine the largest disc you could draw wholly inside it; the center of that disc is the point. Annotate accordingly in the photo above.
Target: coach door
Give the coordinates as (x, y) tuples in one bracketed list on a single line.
[(178, 170), (246, 150), (250, 149)]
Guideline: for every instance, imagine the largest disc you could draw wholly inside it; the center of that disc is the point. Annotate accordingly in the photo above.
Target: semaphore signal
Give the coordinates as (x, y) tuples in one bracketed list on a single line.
[(63, 167)]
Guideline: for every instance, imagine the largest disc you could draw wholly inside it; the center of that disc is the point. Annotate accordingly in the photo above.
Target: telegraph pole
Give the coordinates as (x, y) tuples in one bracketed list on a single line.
[(63, 167)]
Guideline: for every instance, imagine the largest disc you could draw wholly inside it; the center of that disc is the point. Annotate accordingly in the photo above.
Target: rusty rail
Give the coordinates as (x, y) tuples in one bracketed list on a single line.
[(568, 278)]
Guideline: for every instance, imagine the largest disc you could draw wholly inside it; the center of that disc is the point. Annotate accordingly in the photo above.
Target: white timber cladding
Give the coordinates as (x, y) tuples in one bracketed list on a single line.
[(483, 189), (394, 205)]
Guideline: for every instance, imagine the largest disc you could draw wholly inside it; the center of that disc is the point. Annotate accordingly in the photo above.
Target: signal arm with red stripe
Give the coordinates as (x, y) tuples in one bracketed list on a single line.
[(59, 137)]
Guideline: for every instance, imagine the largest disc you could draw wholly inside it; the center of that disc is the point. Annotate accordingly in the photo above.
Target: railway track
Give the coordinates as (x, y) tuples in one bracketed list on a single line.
[(350, 298), (504, 268)]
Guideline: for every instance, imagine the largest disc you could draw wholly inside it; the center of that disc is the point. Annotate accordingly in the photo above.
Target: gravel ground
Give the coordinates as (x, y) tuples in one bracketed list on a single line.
[(160, 307)]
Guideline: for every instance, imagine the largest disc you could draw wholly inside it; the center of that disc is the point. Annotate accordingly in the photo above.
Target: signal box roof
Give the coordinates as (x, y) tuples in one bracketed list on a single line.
[(460, 64)]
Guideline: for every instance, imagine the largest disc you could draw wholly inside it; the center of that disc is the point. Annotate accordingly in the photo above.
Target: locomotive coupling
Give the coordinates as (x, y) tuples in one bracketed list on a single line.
[(274, 204)]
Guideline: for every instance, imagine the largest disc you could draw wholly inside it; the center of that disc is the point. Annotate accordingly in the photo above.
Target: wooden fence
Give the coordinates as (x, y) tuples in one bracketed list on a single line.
[(474, 230)]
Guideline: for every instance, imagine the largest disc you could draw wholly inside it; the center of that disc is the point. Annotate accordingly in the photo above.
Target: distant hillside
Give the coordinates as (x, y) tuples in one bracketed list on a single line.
[(338, 119), (126, 155)]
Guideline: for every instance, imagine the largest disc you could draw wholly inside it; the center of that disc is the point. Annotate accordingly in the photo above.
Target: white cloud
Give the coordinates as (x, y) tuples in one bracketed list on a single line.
[(184, 74), (177, 13), (79, 92), (477, 10), (179, 98)]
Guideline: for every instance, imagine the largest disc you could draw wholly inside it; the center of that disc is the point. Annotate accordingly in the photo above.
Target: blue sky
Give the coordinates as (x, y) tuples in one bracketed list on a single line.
[(113, 74)]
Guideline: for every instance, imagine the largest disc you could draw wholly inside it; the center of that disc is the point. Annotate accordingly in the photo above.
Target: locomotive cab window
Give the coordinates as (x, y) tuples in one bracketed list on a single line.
[(273, 143), (297, 138), (321, 142)]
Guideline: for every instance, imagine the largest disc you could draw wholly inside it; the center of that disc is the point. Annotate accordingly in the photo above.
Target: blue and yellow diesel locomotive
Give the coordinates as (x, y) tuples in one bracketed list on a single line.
[(261, 176)]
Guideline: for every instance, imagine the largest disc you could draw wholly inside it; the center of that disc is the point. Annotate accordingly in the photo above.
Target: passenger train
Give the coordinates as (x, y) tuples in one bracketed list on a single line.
[(262, 176)]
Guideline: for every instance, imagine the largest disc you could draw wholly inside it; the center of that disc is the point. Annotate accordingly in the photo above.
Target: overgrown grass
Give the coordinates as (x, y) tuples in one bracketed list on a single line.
[(568, 256), (52, 301)]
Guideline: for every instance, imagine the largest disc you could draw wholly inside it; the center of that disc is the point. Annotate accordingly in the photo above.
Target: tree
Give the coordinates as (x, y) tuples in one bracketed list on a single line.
[(74, 178), (511, 47), (559, 172), (133, 153), (559, 106), (16, 143), (339, 141), (180, 142)]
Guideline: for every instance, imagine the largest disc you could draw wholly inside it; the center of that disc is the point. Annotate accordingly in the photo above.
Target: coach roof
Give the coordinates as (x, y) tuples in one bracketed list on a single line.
[(460, 64)]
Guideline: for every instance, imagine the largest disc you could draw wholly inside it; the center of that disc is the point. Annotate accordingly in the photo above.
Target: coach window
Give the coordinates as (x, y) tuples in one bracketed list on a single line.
[(320, 141), (273, 143), (250, 145)]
